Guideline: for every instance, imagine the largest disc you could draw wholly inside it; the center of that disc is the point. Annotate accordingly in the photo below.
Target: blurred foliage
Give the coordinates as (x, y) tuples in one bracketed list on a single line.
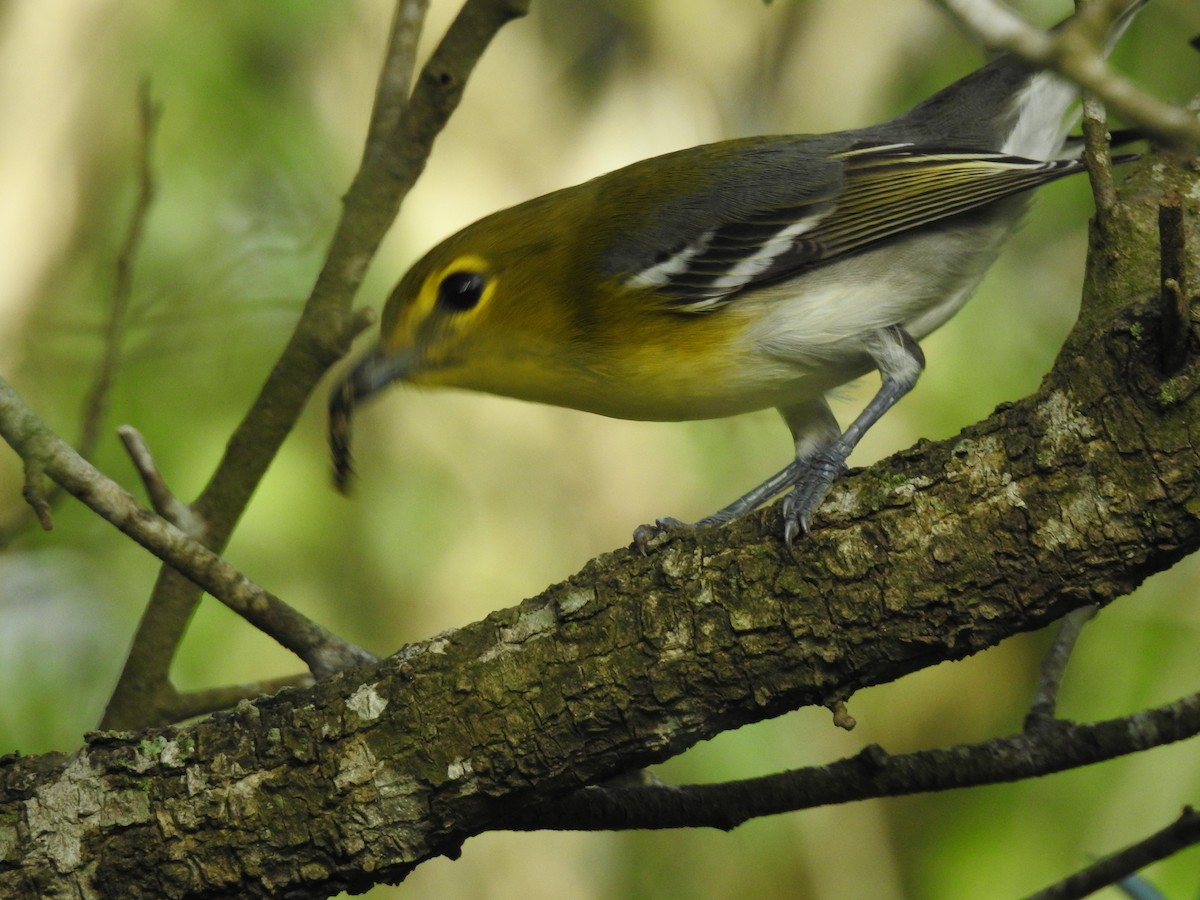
[(469, 503)]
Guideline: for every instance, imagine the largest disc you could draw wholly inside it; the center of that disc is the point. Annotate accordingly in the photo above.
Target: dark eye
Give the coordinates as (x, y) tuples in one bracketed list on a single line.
[(460, 291)]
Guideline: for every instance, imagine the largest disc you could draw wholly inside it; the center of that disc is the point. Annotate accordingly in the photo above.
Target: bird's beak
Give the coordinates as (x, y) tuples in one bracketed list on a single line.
[(371, 374)]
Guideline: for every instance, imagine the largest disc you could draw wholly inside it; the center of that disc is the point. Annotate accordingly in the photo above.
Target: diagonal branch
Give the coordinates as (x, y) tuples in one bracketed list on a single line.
[(324, 652), (395, 78), (1072, 52), (400, 137), (1067, 498), (97, 399), (96, 402), (869, 774), (1054, 666), (1183, 832)]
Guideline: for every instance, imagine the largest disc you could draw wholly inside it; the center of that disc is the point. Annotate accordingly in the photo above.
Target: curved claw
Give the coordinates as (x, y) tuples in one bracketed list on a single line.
[(798, 506), (793, 523)]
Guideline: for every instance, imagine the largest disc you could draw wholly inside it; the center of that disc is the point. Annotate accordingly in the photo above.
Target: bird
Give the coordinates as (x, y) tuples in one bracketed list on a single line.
[(753, 273)]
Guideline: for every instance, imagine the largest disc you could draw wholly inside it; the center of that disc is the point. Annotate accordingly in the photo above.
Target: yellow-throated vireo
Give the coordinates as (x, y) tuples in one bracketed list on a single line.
[(736, 276)]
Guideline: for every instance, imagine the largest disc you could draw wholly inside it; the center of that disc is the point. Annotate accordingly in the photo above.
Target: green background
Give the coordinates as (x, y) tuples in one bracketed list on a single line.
[(469, 503)]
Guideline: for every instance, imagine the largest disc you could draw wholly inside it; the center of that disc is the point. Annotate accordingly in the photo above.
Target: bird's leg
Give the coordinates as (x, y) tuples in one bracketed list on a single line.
[(821, 447), (900, 361), (812, 425)]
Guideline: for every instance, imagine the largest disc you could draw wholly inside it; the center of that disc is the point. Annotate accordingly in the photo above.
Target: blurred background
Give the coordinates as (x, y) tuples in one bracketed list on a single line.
[(469, 503)]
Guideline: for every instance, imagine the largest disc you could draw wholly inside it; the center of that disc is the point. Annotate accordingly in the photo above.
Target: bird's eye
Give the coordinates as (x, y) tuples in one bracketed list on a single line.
[(460, 291)]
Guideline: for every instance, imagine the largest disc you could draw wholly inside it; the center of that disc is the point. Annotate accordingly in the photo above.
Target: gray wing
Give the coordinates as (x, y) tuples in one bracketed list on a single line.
[(858, 197)]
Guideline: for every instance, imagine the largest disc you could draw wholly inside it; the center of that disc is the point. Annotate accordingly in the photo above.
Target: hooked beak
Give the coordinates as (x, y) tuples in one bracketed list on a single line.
[(371, 374)]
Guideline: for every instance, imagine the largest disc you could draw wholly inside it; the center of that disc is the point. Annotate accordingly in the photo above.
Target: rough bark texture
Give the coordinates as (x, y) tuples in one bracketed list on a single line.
[(1069, 497)]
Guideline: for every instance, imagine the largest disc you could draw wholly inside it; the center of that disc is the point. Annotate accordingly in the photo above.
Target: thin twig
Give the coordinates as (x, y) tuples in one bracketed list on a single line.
[(41, 498), (1069, 52), (34, 493), (201, 703), (1183, 832), (871, 773), (322, 651), (402, 130), (1096, 152), (1054, 666), (96, 404), (162, 498), (395, 76)]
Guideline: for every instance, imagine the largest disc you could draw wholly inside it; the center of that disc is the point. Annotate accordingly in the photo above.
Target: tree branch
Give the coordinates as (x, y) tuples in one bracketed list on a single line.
[(96, 403), (395, 78), (325, 653), (1175, 303), (1183, 832), (869, 774), (401, 134), (1054, 666), (1072, 51), (162, 498), (97, 400), (635, 659)]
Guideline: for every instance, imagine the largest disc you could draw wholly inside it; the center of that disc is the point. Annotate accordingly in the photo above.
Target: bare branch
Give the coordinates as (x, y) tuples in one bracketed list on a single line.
[(1054, 666), (1096, 152), (870, 773), (324, 652), (35, 494), (97, 399), (1174, 301), (395, 76), (1183, 832), (200, 703), (401, 135), (164, 501), (1073, 53), (40, 497)]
